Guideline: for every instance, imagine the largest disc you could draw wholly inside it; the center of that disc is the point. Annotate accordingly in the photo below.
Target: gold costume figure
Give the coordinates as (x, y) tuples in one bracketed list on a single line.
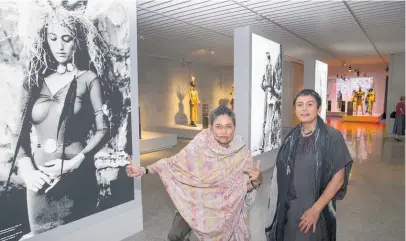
[(232, 99), (371, 100), (194, 102), (360, 97)]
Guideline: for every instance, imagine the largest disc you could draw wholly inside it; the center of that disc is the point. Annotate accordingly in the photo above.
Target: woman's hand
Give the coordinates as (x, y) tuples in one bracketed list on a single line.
[(308, 220), (35, 179), (254, 174), (133, 170), (53, 168)]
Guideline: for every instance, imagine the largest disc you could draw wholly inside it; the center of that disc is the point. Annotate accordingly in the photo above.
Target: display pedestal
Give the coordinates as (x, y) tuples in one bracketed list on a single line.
[(361, 119), (181, 131), (155, 141), (335, 114)]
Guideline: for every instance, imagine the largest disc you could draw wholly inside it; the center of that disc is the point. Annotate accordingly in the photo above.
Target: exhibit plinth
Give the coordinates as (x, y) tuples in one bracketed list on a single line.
[(156, 141), (335, 114), (181, 131), (361, 119)]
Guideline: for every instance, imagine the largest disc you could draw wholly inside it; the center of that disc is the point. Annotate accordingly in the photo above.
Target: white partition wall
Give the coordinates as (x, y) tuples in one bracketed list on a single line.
[(316, 73), (396, 86), (117, 209), (258, 92)]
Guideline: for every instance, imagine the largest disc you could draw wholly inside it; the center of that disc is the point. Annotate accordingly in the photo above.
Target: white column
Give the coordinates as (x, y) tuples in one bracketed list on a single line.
[(242, 81), (292, 83), (396, 86), (242, 97), (309, 73)]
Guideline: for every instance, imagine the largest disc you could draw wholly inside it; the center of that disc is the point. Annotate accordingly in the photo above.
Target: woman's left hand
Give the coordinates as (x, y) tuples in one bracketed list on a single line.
[(53, 168), (254, 174), (308, 220)]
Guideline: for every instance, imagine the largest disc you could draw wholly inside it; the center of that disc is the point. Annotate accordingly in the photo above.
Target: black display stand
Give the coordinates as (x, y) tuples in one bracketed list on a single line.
[(350, 108), (329, 105), (342, 106)]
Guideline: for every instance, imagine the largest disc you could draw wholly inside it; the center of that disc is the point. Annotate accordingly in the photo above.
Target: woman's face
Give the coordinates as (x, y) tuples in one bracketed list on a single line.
[(306, 108), (223, 129), (61, 42)]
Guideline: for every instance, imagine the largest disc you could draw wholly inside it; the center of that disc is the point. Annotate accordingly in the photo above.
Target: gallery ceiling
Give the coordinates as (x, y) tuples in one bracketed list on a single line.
[(333, 31)]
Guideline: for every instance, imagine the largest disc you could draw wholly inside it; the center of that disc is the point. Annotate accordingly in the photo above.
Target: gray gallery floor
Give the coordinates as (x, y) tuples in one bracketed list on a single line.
[(373, 210)]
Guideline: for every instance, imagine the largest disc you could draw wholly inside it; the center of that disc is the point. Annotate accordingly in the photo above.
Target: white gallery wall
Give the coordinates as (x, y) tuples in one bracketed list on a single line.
[(160, 80)]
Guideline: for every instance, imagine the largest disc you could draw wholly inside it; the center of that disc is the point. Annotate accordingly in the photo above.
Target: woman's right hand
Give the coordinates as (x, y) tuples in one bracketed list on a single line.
[(133, 170), (35, 179)]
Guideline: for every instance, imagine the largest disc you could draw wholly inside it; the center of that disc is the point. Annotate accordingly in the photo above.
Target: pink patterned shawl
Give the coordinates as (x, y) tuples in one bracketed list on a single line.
[(207, 185)]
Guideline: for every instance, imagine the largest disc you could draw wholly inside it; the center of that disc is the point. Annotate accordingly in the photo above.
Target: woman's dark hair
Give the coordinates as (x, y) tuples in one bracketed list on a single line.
[(309, 92), (221, 110)]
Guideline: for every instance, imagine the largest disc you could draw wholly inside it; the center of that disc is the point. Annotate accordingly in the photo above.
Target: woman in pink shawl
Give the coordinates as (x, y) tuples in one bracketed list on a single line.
[(211, 181)]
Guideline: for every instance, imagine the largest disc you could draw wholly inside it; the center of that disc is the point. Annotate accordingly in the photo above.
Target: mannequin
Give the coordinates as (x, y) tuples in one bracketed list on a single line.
[(194, 102), (339, 100), (371, 100), (232, 99), (360, 97)]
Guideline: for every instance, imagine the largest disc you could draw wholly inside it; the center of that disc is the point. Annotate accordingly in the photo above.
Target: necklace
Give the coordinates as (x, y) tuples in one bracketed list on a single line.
[(308, 133), (62, 68)]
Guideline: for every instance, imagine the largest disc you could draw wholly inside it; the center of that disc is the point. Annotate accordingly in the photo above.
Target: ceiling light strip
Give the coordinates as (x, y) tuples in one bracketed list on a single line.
[(164, 15), (287, 30)]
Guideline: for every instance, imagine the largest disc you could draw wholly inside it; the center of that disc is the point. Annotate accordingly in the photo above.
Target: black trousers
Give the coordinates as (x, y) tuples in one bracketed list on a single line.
[(180, 230)]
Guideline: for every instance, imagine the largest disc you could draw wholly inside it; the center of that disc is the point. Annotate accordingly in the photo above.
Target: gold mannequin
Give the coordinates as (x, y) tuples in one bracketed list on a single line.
[(194, 102), (232, 99), (360, 97), (371, 100)]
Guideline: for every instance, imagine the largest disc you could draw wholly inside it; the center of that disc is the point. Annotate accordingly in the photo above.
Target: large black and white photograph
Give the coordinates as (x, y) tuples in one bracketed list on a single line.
[(65, 127), (266, 95), (321, 86)]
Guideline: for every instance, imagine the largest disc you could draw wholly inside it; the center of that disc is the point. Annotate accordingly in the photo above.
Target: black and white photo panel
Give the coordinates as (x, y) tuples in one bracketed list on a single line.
[(266, 95), (65, 127)]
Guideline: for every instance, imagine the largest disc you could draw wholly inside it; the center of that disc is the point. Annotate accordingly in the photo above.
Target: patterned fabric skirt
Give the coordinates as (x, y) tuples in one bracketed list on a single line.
[(399, 126)]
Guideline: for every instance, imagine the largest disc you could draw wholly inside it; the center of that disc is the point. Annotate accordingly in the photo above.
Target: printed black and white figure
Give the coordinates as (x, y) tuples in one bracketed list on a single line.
[(266, 95), (321, 86), (65, 128)]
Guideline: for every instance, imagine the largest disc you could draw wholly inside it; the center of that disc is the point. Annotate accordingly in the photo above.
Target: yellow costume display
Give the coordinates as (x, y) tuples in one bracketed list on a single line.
[(371, 100), (360, 97), (194, 102), (232, 99)]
